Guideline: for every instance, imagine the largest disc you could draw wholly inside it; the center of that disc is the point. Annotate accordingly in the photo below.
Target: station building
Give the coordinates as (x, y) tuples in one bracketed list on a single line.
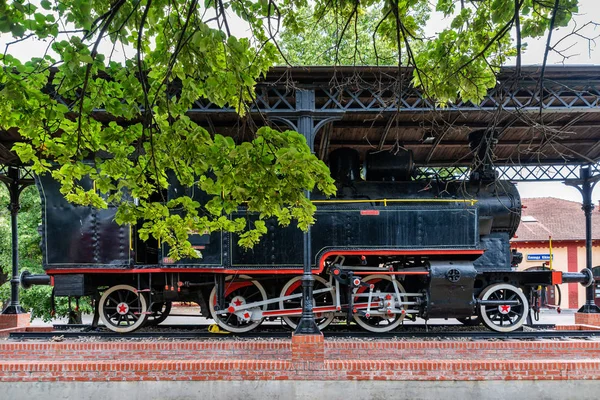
[(564, 222)]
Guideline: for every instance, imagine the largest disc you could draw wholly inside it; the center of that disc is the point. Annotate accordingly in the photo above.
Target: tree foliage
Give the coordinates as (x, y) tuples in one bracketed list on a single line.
[(325, 38), (178, 59), (460, 61), (175, 52)]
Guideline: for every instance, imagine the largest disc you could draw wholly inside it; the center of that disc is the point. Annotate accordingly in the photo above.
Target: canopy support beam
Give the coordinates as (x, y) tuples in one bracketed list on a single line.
[(307, 121), (585, 185), (14, 188)]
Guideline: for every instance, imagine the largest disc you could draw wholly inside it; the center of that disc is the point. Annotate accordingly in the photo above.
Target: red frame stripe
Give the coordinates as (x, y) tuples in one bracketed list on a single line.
[(167, 270), (395, 253), (296, 311), (287, 271), (391, 273)]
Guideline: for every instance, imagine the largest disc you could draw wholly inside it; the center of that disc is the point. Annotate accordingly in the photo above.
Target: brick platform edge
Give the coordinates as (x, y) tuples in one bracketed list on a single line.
[(587, 319), (579, 327), (14, 320), (302, 358), (4, 333)]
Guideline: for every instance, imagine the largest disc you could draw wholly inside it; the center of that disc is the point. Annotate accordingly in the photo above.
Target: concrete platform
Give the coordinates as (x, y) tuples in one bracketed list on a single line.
[(302, 367), (304, 390)]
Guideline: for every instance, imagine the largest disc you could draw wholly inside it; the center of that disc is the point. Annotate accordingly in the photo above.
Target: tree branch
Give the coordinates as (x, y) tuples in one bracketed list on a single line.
[(541, 81)]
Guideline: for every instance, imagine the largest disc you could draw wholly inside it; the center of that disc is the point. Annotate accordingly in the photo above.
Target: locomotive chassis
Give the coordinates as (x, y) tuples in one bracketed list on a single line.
[(384, 251)]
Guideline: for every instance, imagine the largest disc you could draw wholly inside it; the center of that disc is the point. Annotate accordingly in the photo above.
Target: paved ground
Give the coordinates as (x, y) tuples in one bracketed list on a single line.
[(305, 390)]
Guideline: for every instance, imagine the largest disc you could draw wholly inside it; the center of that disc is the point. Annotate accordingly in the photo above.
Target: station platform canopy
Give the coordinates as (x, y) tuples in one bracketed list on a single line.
[(546, 124)]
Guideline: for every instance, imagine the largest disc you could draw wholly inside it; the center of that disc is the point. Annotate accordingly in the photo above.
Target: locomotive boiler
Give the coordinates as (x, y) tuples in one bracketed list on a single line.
[(389, 246)]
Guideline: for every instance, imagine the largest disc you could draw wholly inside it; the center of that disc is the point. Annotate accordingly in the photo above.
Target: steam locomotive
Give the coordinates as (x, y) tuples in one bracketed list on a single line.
[(387, 247)]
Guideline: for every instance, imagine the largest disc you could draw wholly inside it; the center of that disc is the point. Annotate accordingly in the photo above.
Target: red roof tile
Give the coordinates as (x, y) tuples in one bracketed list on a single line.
[(561, 219)]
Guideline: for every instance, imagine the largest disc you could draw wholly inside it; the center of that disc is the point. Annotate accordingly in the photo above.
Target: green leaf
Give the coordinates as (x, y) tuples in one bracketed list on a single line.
[(86, 58), (17, 30)]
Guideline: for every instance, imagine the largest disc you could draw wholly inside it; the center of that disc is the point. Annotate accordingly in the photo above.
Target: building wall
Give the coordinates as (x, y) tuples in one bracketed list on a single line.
[(560, 263), (595, 262), (567, 257)]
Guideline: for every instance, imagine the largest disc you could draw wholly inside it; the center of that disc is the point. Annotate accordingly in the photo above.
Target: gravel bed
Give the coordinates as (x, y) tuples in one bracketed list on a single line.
[(432, 329), (92, 339), (278, 330)]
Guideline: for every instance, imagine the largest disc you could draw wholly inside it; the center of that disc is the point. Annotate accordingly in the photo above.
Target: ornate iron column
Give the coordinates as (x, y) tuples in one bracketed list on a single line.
[(14, 189), (305, 103), (585, 185), (307, 121)]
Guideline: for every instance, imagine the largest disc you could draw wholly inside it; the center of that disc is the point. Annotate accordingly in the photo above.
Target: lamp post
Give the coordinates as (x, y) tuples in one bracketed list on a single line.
[(585, 185), (14, 190)]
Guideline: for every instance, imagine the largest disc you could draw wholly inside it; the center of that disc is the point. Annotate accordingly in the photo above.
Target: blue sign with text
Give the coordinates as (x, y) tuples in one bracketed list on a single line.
[(539, 257)]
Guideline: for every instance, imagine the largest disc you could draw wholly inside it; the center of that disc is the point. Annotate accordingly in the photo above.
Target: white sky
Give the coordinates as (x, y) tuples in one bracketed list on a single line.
[(554, 189), (580, 52)]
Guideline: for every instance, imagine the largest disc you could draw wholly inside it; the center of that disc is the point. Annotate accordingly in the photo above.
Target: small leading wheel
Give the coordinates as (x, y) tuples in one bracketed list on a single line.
[(323, 299), (122, 309), (503, 317), (238, 292), (160, 312), (385, 286)]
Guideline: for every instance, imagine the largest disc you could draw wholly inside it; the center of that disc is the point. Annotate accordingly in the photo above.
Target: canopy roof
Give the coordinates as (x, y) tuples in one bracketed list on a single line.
[(375, 108)]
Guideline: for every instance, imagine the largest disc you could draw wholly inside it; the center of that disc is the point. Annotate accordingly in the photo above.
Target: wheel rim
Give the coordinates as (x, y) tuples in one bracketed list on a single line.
[(243, 294), (122, 310), (294, 286), (504, 318), (160, 312), (384, 285)]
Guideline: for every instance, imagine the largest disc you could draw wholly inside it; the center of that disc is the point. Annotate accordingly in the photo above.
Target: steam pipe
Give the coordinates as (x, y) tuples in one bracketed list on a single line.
[(585, 277), (28, 280)]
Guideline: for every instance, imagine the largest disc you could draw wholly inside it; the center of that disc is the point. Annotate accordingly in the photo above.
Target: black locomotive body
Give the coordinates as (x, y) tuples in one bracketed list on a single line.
[(385, 248)]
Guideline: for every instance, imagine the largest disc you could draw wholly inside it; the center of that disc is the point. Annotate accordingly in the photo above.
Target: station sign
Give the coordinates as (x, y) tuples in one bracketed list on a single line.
[(539, 257)]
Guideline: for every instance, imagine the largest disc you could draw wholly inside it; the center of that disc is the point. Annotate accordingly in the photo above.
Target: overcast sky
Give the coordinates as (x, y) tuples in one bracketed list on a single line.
[(580, 52)]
